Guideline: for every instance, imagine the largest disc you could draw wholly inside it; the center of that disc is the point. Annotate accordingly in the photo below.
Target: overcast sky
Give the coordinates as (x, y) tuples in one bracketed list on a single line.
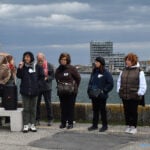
[(59, 26)]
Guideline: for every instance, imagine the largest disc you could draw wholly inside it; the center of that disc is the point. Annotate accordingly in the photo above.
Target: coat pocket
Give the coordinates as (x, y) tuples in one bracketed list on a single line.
[(134, 95), (93, 93)]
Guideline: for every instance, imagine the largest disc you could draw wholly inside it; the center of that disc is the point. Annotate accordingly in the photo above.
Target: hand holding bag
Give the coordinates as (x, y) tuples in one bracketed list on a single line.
[(94, 93), (97, 93), (66, 88)]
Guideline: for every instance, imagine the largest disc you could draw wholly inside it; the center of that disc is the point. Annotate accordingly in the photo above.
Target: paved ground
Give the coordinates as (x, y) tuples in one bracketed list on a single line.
[(78, 138)]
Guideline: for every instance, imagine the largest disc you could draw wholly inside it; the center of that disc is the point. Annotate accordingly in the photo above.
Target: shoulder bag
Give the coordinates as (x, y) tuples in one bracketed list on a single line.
[(94, 93), (66, 88)]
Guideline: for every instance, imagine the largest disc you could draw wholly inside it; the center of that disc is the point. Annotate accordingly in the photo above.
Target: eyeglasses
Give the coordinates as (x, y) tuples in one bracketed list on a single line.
[(64, 59)]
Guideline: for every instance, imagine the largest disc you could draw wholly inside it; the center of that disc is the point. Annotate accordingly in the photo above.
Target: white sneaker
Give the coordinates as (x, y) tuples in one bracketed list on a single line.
[(128, 129), (25, 128), (33, 128), (133, 130)]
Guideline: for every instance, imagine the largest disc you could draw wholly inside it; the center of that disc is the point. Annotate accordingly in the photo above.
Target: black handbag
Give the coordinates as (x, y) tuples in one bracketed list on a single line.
[(66, 88), (94, 93)]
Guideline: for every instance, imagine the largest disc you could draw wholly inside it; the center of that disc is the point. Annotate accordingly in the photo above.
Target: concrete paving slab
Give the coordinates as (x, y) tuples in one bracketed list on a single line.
[(78, 138), (84, 141)]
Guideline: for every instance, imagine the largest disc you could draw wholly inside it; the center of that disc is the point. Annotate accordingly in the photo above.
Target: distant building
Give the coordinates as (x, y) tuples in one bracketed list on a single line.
[(145, 65), (114, 61), (100, 49)]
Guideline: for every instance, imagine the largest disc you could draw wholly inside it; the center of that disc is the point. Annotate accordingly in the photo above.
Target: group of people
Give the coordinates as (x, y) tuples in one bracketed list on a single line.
[(131, 87), (36, 81)]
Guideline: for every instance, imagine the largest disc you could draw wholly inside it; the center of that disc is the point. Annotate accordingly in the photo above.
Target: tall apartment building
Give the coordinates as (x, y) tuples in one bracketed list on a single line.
[(100, 49), (114, 61)]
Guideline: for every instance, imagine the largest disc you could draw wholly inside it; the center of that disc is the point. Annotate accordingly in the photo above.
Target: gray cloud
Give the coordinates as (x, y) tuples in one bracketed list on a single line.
[(71, 25), (50, 16)]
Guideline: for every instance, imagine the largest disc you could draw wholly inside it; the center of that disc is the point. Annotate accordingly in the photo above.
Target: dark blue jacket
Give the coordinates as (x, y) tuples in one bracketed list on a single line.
[(101, 80), (30, 80)]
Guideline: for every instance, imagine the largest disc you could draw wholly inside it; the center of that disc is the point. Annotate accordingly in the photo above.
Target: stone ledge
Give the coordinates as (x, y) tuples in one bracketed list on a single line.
[(83, 112)]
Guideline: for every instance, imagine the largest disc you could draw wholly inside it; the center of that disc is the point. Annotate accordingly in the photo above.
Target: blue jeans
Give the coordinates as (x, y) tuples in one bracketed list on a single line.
[(29, 111)]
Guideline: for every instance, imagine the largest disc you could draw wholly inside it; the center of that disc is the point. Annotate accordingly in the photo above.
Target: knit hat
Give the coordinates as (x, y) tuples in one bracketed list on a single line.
[(101, 60)]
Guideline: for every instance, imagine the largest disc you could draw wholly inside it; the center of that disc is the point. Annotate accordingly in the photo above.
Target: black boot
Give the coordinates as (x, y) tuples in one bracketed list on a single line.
[(103, 128), (92, 128), (62, 126)]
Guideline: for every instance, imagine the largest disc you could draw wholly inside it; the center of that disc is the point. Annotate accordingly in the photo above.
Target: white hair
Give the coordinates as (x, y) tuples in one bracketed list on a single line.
[(41, 54)]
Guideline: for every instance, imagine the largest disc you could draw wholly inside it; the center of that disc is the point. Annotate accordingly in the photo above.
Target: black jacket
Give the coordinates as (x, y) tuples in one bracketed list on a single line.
[(46, 85), (101, 80), (68, 73), (71, 74), (30, 80)]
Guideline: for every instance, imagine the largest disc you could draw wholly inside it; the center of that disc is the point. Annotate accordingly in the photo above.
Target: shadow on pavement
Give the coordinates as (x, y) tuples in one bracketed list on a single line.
[(74, 140)]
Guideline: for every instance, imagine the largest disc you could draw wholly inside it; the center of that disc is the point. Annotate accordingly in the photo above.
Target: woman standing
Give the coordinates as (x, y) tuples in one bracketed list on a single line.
[(67, 74), (9, 88), (131, 86), (30, 74), (10, 93), (102, 81)]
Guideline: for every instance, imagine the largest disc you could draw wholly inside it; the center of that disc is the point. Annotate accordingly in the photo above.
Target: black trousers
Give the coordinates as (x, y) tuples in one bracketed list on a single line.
[(67, 105), (131, 112), (99, 106), (47, 99)]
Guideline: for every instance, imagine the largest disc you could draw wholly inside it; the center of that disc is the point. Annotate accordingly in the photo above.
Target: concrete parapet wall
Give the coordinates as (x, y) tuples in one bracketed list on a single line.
[(83, 112)]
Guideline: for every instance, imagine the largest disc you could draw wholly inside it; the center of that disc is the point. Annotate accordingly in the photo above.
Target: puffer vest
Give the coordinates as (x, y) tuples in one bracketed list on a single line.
[(130, 84)]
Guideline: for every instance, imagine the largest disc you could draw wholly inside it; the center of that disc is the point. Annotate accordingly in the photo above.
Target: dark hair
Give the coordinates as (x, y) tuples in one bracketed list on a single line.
[(67, 56), (30, 54), (132, 57), (101, 68)]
